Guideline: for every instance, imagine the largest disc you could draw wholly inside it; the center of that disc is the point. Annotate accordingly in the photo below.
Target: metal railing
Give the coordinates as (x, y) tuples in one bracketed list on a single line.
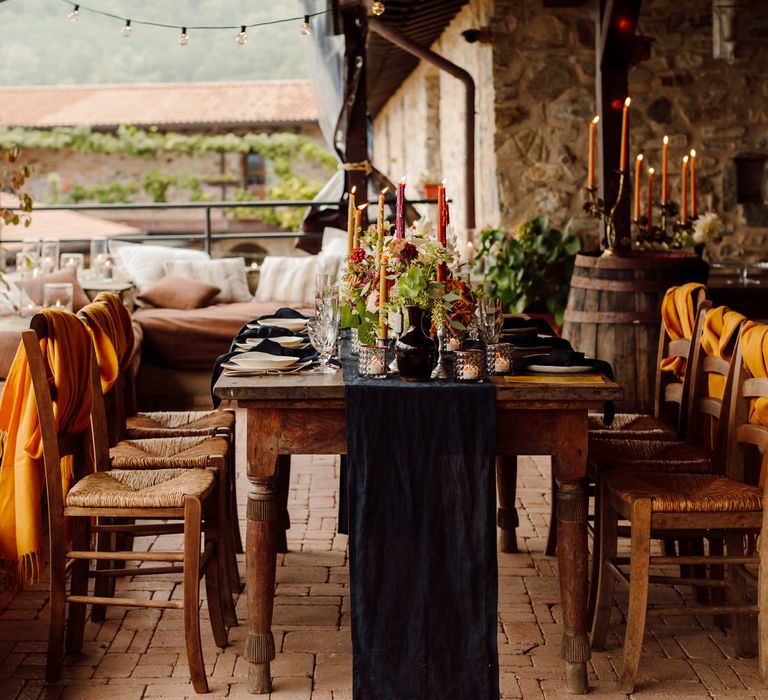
[(207, 235)]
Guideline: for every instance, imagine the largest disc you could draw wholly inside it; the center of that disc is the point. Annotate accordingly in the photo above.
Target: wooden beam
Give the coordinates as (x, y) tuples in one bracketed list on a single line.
[(616, 24), (356, 94)]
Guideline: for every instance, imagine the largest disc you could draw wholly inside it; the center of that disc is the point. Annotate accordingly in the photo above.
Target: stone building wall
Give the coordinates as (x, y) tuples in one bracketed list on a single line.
[(420, 131), (536, 95)]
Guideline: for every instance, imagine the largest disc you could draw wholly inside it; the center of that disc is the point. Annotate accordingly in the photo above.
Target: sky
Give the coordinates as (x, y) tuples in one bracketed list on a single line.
[(39, 46)]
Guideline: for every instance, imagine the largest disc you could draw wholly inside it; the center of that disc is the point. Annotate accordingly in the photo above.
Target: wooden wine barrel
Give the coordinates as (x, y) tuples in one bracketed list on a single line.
[(614, 313)]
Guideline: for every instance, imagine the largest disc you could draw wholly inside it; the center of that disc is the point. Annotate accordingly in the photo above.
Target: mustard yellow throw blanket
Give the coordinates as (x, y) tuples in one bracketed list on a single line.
[(22, 471), (718, 339), (678, 312)]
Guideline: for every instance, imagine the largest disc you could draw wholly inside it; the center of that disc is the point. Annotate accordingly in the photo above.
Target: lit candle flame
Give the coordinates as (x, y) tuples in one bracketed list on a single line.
[(693, 153), (685, 159), (666, 140), (627, 102), (402, 180), (651, 171), (354, 189), (362, 206), (385, 190), (639, 157), (442, 182), (596, 120)]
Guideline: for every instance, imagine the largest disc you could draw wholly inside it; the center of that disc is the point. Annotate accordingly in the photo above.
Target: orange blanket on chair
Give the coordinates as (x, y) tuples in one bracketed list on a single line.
[(678, 313), (718, 339), (22, 470)]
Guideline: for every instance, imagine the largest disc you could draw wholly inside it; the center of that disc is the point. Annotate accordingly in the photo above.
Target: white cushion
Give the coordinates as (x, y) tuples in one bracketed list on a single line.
[(228, 274), (292, 279), (335, 241), (144, 264)]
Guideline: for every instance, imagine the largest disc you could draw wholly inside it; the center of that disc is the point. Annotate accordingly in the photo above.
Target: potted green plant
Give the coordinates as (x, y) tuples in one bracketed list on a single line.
[(528, 268)]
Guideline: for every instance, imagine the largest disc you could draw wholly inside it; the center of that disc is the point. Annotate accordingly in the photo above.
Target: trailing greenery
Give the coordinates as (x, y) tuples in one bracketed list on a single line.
[(528, 269), (147, 143), (113, 193)]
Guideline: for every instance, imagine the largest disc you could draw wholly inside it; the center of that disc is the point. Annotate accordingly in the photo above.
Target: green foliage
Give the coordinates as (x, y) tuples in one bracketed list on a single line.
[(148, 143), (528, 269), (112, 193), (366, 322)]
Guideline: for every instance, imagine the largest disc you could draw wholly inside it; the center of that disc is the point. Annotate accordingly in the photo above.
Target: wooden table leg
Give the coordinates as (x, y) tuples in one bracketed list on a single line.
[(572, 565), (506, 516), (262, 515), (572, 554), (261, 546)]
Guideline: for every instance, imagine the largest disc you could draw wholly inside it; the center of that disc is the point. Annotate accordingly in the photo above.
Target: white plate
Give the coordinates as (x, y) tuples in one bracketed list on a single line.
[(547, 369), (288, 341), (260, 360), (237, 370), (290, 324)]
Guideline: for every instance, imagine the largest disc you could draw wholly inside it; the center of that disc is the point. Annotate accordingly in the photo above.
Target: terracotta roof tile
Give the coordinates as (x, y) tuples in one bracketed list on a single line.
[(264, 103)]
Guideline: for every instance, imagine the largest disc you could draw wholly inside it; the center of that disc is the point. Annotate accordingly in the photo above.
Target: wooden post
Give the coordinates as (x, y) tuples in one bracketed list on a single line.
[(355, 110), (614, 50)]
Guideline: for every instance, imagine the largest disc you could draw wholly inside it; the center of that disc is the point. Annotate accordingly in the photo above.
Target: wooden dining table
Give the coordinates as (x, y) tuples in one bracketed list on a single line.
[(305, 414)]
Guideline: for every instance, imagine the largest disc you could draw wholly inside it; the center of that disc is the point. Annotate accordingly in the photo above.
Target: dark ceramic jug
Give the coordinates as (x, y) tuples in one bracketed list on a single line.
[(414, 349)]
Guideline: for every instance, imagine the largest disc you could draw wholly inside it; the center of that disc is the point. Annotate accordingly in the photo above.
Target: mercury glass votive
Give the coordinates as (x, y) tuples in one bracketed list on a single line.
[(498, 358), (372, 361), (469, 365)]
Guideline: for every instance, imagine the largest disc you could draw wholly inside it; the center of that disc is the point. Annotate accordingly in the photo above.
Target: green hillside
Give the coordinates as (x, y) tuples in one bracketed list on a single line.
[(38, 46)]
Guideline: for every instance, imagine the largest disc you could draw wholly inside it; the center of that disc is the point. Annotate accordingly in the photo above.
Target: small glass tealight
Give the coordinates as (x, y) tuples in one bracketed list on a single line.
[(498, 358), (372, 361), (469, 365), (72, 261), (58, 295)]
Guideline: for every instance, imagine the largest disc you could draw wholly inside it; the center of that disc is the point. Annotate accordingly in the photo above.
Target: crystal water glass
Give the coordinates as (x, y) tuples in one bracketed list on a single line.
[(323, 330)]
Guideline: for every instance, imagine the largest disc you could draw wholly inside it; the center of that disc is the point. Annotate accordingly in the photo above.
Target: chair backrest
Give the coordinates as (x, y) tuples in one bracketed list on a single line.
[(704, 411), (745, 456), (670, 393)]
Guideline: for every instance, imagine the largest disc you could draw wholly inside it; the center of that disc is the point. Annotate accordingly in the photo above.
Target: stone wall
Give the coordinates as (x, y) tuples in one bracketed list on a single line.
[(420, 131), (536, 95)]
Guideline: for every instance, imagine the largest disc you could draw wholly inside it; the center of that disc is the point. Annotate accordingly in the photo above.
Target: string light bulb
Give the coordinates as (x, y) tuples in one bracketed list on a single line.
[(305, 30), (127, 29), (378, 8), (183, 37), (242, 37), (74, 13)]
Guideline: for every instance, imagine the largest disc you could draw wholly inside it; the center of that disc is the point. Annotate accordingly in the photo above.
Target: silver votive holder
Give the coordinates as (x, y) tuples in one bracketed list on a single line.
[(372, 361), (469, 365), (498, 358)]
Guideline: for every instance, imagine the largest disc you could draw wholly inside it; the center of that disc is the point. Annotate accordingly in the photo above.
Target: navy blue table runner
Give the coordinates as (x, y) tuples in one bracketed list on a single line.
[(422, 539)]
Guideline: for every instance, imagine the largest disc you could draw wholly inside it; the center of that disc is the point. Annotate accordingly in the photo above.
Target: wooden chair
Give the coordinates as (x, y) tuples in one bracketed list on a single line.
[(667, 423), (203, 451), (185, 494), (725, 506), (695, 455)]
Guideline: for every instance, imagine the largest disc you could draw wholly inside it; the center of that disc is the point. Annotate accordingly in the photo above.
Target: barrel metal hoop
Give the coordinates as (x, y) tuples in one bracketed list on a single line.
[(650, 262), (628, 286), (635, 318)]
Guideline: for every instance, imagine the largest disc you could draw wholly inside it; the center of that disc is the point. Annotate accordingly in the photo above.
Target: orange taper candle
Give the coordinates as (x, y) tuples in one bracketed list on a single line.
[(383, 296), (624, 135), (359, 224), (650, 198), (664, 164), (351, 221), (638, 163), (684, 195), (694, 201), (592, 130)]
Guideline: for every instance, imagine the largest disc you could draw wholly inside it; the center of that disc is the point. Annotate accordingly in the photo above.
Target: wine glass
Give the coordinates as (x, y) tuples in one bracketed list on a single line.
[(323, 330), (490, 319)]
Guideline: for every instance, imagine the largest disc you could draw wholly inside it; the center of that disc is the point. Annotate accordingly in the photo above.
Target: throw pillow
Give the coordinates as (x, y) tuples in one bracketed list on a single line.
[(172, 292), (144, 264), (34, 288), (228, 274), (288, 279)]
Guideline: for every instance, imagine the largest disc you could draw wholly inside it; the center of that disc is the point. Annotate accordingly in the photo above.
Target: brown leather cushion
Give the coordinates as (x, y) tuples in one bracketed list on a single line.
[(79, 297), (686, 493), (172, 292)]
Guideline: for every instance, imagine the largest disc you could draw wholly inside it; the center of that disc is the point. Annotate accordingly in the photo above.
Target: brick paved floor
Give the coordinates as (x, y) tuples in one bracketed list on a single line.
[(140, 654)]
